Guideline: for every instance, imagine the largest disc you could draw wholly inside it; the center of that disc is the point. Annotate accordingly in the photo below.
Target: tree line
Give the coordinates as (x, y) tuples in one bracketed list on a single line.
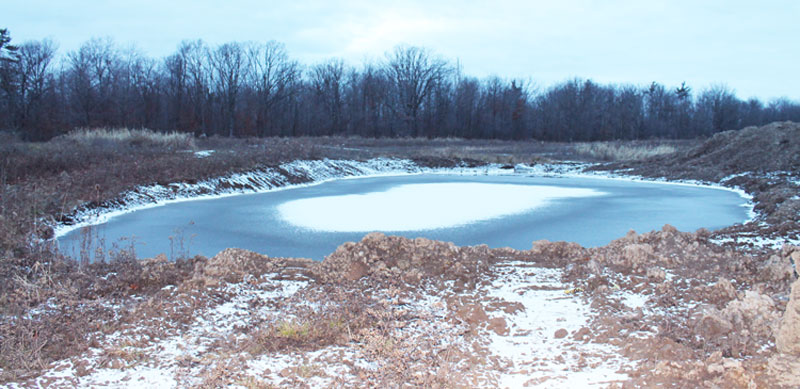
[(256, 89)]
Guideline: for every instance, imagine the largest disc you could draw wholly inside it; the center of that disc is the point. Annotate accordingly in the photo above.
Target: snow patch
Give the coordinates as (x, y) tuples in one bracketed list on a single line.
[(536, 356), (422, 206), (759, 241), (203, 153)]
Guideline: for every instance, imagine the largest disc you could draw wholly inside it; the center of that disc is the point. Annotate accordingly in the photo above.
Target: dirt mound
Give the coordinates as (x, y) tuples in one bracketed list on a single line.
[(769, 148), (742, 326), (235, 265), (761, 150), (408, 260), (763, 161)]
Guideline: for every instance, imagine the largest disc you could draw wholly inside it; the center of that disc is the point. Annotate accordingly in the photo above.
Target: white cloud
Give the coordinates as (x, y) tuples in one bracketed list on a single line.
[(751, 46)]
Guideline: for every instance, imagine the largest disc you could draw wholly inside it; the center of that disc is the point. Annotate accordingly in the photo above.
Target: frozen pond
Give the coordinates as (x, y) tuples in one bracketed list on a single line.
[(467, 210)]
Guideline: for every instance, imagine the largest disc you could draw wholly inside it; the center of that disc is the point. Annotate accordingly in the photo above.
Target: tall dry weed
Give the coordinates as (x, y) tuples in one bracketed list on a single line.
[(135, 137), (615, 151)]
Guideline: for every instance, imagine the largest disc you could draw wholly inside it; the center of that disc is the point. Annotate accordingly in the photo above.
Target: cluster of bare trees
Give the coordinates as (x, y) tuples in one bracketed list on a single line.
[(256, 89)]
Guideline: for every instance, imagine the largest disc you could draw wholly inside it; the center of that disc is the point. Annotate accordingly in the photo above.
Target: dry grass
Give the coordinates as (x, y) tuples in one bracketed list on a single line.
[(292, 330), (628, 151), (137, 138), (251, 382)]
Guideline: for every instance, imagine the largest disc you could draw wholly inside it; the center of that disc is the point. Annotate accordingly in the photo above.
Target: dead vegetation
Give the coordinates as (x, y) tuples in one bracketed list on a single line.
[(710, 315), (54, 307), (116, 137), (627, 151)]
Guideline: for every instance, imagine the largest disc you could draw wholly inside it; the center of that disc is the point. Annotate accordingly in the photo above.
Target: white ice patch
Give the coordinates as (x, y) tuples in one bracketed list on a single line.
[(203, 153), (422, 206)]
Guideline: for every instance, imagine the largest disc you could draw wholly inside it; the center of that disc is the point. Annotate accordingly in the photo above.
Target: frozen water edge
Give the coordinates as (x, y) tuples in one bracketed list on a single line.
[(257, 181), (320, 171), (577, 170)]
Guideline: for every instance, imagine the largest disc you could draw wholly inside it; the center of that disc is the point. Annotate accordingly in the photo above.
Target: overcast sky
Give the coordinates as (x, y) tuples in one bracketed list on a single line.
[(752, 46)]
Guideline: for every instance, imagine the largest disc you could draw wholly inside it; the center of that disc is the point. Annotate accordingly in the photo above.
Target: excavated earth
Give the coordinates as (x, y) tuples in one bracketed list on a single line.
[(662, 308)]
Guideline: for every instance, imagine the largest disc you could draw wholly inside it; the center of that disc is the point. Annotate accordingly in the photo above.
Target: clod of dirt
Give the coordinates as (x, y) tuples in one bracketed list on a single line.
[(233, 265), (406, 260), (778, 268), (787, 338), (742, 325)]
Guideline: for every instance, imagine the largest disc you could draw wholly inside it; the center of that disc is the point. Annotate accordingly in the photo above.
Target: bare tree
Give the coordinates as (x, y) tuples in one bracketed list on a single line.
[(467, 105), (413, 72), (368, 91), (256, 88), (35, 80), (175, 90), (661, 111), (195, 57), (328, 83), (143, 84), (90, 77), (718, 109), (684, 114), (273, 77), (230, 68)]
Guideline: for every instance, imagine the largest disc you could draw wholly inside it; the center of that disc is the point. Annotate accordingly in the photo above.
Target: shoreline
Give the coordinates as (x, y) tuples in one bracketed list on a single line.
[(321, 171)]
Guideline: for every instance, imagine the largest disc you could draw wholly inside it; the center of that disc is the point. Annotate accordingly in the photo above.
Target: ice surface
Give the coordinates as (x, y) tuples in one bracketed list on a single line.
[(422, 206)]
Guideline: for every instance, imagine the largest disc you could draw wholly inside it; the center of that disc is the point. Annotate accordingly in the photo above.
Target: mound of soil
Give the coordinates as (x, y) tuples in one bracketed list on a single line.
[(755, 150)]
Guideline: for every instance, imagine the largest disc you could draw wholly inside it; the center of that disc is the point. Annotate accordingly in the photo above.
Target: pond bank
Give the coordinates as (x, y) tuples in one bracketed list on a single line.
[(313, 172)]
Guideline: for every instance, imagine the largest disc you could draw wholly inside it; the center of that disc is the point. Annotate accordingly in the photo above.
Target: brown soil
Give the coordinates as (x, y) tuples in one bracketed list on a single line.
[(711, 316)]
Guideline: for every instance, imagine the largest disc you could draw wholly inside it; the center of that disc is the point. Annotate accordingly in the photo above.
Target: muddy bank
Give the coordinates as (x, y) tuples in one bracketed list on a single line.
[(664, 307)]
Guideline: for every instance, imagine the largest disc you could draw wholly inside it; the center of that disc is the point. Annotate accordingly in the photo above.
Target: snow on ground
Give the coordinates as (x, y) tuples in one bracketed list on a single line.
[(333, 365), (544, 346), (541, 344), (165, 354), (758, 241), (421, 206)]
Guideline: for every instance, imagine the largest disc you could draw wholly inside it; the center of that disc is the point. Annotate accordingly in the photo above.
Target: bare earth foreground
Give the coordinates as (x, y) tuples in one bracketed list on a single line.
[(660, 308), (663, 308)]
